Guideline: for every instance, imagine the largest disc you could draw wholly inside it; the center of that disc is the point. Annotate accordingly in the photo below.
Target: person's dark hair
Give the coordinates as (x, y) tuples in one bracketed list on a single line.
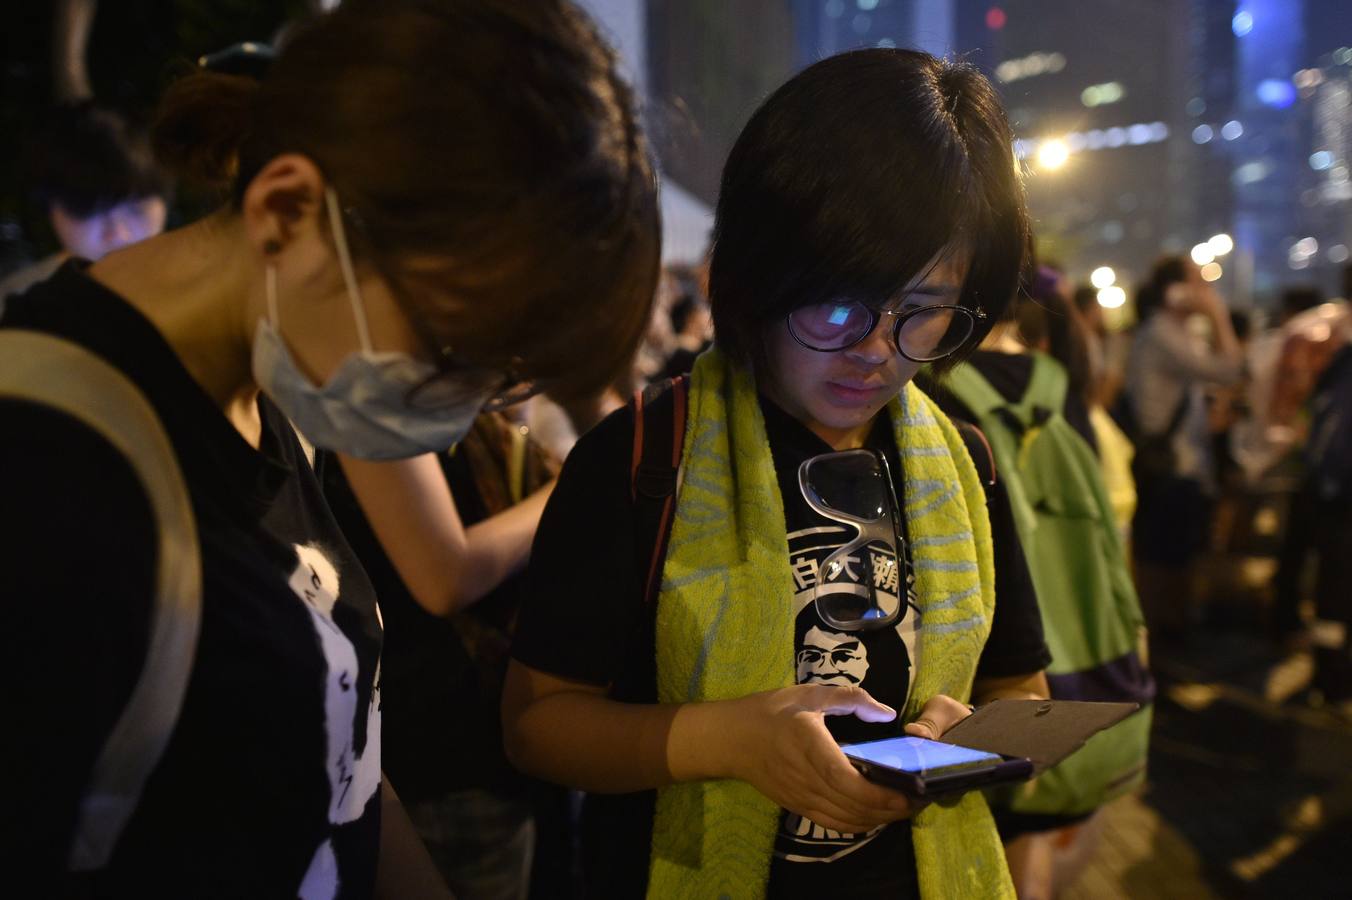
[(1045, 314), (850, 179), (688, 296), (1150, 296), (1085, 297), (488, 153), (87, 159), (1298, 298)]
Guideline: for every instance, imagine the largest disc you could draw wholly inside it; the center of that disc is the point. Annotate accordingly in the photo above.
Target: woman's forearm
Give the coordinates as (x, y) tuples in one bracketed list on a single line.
[(444, 565), (588, 741), (497, 548)]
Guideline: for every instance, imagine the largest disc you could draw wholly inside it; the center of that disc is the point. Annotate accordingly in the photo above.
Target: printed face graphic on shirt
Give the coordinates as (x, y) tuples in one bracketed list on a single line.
[(829, 657), (878, 661)]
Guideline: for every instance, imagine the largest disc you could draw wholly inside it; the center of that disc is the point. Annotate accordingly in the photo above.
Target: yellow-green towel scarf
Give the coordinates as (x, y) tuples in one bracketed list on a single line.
[(725, 629)]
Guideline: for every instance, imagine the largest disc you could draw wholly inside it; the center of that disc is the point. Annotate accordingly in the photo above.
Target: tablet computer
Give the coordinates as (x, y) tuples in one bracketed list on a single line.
[(923, 768)]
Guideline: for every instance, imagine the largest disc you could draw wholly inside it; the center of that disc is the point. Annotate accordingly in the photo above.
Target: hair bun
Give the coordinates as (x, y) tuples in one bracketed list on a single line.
[(203, 121)]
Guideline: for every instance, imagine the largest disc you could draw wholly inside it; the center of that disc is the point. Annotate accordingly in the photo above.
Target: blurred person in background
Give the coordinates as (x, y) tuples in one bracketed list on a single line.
[(1303, 421), (1326, 498), (94, 178), (1107, 348), (1028, 387), (1168, 373), (1104, 350), (411, 233), (691, 320)]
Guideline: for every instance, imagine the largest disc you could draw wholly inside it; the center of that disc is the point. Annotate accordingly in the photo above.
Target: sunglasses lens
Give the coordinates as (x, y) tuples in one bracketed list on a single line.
[(860, 592), (858, 585), (852, 484)]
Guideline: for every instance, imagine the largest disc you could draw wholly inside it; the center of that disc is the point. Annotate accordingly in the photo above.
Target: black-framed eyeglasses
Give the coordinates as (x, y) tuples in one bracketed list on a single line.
[(854, 487), (455, 380), (921, 334)]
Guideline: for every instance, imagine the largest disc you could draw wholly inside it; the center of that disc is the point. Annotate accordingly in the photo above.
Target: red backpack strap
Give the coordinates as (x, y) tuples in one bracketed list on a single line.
[(979, 448), (659, 437)]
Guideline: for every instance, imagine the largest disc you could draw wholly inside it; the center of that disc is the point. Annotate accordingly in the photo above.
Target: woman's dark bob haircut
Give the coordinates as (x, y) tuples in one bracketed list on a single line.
[(1167, 270), (850, 179)]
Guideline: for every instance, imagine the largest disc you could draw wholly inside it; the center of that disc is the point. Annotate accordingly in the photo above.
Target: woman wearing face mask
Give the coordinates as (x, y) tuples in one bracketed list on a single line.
[(870, 219), (413, 233)]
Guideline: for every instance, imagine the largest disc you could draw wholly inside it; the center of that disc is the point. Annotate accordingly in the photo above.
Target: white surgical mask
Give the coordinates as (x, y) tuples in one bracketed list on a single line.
[(361, 409)]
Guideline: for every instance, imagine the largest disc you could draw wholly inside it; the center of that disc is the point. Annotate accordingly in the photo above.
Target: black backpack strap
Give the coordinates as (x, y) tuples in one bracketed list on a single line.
[(1177, 418), (1124, 414), (659, 436)]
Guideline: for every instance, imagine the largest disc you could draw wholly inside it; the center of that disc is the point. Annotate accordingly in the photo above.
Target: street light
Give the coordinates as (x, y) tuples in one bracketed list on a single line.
[(1052, 154), (1102, 277), (1220, 244), (1111, 297), (1203, 254)]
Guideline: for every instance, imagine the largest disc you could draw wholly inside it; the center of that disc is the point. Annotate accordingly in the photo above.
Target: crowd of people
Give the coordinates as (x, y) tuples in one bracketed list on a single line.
[(404, 527)]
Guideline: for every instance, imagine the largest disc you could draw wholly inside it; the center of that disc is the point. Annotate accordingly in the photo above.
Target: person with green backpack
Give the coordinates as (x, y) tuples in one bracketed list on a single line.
[(1039, 432)]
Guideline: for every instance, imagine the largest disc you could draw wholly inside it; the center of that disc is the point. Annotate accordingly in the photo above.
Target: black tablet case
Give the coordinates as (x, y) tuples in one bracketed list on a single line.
[(1043, 731)]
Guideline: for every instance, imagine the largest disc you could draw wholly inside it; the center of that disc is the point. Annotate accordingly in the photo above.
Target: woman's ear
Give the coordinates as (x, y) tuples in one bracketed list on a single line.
[(284, 201)]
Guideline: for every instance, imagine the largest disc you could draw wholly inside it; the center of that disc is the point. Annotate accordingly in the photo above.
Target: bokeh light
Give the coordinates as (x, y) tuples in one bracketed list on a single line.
[(1052, 154), (1111, 297), (1221, 244)]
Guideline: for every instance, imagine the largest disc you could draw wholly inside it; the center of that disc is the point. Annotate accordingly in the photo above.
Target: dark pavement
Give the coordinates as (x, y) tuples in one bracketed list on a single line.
[(1250, 786)]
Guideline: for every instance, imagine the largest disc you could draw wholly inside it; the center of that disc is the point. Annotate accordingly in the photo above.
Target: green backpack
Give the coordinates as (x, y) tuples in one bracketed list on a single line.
[(1090, 612)]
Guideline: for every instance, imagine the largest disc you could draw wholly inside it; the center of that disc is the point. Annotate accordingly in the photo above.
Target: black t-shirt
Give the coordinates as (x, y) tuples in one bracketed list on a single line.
[(440, 715), (1010, 374), (269, 786), (584, 619)]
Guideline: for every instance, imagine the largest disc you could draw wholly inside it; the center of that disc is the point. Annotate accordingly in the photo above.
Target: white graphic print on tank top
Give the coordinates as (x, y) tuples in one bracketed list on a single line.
[(353, 779)]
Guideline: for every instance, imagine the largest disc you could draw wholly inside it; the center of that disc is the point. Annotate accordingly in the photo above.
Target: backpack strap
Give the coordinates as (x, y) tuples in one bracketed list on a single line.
[(40, 368), (1048, 384), (1177, 418), (975, 392), (659, 437), (979, 449)]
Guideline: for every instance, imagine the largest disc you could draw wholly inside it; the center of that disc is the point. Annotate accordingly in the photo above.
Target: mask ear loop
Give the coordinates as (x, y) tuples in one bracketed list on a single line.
[(270, 290), (345, 263)]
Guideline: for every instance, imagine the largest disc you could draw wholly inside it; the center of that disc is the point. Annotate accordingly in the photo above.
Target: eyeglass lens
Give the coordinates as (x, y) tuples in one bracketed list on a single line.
[(445, 390), (922, 334)]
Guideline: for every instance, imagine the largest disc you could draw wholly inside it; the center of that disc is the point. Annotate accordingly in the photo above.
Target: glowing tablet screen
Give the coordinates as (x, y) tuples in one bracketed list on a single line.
[(913, 754)]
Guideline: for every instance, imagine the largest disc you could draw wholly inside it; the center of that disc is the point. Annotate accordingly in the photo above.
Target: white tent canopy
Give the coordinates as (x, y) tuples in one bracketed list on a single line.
[(686, 223)]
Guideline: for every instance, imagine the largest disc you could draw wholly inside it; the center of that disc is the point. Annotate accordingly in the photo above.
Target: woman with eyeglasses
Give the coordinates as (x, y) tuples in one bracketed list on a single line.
[(432, 208), (870, 222)]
